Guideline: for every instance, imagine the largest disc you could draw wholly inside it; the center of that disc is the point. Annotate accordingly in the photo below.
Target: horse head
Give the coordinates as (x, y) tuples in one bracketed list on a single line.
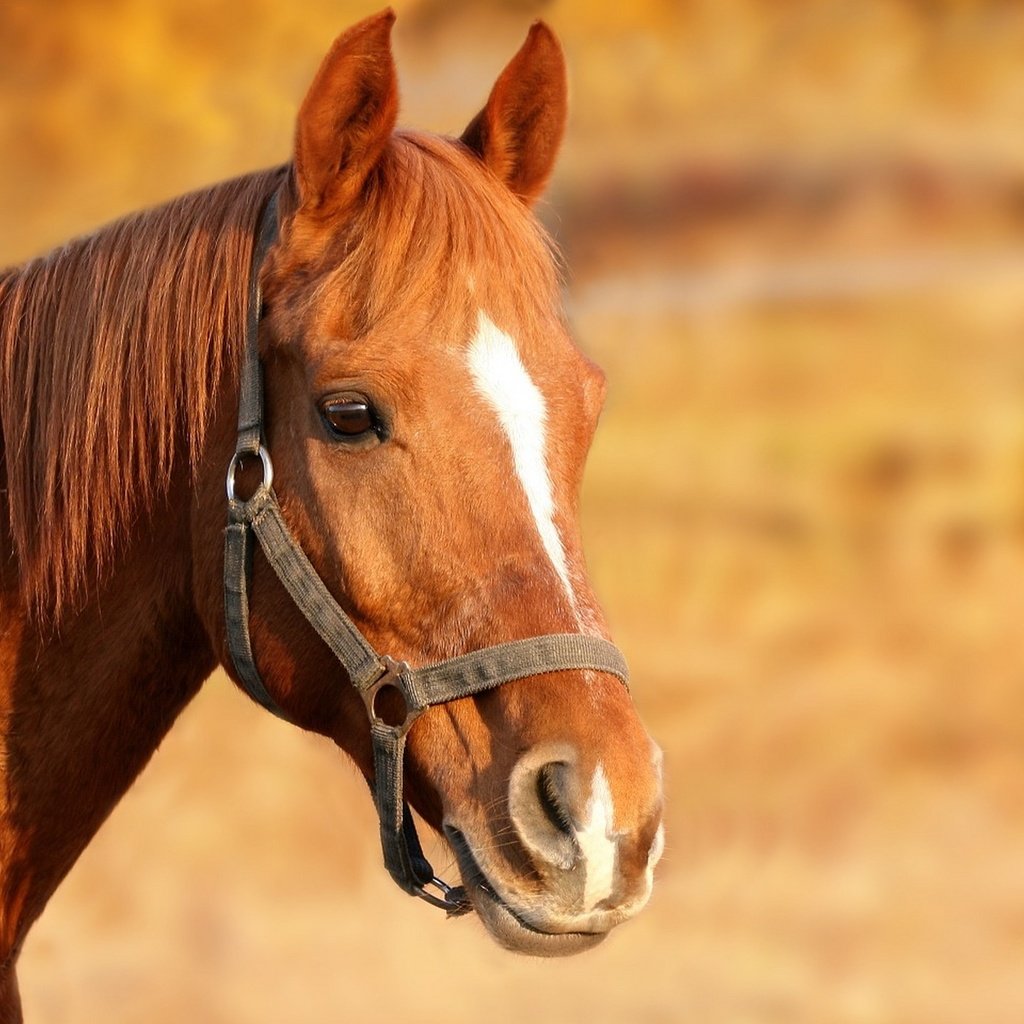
[(429, 418)]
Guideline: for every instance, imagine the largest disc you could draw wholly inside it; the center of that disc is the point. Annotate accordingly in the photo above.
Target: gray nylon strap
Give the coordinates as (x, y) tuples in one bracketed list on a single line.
[(308, 591), (409, 870), (434, 684), (493, 666), (439, 683)]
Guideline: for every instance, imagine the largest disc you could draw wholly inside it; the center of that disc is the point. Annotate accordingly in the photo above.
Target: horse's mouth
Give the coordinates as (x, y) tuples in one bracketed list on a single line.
[(506, 926)]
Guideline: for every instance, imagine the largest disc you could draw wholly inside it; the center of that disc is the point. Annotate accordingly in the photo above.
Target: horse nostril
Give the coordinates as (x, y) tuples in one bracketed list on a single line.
[(552, 783), (540, 803)]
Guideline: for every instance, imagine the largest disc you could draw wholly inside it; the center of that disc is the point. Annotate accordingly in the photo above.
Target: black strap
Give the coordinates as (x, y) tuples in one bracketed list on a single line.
[(250, 390), (237, 575), (260, 517)]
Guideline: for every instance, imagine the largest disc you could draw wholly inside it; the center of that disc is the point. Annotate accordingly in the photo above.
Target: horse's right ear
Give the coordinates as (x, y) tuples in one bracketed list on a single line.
[(347, 117)]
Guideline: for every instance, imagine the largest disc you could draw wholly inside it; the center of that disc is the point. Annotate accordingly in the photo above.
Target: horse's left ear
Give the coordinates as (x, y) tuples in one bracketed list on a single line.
[(518, 132)]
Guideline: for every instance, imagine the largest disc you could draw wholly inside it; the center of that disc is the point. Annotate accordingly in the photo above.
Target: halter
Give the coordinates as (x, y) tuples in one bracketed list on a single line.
[(260, 517)]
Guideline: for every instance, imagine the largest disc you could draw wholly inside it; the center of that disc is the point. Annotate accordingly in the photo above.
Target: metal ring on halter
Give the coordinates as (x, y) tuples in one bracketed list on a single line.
[(236, 460), (391, 676)]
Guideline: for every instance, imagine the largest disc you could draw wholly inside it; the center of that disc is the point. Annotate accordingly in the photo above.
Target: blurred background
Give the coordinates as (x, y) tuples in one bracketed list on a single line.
[(795, 234)]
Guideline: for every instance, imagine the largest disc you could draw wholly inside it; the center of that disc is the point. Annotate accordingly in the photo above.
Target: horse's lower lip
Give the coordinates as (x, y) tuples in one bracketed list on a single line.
[(505, 925)]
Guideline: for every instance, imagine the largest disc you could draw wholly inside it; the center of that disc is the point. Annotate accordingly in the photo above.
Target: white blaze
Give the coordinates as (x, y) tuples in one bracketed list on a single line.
[(597, 843), (501, 378)]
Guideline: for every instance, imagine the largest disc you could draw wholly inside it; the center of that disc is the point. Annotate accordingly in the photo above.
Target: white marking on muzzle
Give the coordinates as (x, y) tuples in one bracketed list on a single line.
[(597, 843), (501, 378), (657, 848)]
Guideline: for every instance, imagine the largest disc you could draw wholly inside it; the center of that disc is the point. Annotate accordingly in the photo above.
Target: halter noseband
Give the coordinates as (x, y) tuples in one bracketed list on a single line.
[(260, 517)]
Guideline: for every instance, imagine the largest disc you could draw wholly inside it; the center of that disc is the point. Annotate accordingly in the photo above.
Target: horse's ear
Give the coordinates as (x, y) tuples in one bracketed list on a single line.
[(347, 117), (518, 132)]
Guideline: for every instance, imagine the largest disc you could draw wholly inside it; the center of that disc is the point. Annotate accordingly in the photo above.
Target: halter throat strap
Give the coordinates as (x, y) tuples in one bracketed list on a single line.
[(257, 520)]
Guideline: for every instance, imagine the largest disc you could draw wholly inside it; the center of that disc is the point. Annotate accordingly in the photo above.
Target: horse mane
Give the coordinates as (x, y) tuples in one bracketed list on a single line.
[(112, 348)]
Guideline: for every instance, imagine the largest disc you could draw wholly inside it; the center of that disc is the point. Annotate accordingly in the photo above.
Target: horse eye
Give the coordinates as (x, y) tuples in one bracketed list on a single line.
[(349, 416)]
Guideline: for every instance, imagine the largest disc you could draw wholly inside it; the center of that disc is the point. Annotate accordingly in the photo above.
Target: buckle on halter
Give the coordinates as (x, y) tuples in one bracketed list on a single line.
[(453, 899), (388, 683)]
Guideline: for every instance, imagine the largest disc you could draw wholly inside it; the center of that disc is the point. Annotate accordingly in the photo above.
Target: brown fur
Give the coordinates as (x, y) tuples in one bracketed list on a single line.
[(118, 358)]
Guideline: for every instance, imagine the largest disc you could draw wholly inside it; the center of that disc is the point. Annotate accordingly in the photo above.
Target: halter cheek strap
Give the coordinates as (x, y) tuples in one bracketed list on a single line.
[(258, 520)]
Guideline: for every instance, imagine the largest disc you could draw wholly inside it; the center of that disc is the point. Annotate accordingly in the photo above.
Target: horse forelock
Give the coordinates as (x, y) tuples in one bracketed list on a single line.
[(437, 235), (113, 349)]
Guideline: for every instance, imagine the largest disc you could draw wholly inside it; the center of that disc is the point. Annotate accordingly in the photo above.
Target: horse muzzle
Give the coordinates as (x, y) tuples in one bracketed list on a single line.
[(567, 876)]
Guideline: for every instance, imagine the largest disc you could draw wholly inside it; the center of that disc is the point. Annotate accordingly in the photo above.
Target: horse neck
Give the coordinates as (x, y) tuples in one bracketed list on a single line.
[(85, 708), (84, 704)]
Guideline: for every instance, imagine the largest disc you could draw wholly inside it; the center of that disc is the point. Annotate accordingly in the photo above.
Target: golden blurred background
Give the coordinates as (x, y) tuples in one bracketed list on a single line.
[(795, 234)]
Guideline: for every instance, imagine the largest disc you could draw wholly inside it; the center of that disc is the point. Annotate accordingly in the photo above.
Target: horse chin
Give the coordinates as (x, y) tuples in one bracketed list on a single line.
[(506, 927), (510, 931)]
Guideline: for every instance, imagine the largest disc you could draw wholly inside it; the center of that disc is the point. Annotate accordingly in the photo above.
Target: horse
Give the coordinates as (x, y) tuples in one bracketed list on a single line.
[(370, 339)]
